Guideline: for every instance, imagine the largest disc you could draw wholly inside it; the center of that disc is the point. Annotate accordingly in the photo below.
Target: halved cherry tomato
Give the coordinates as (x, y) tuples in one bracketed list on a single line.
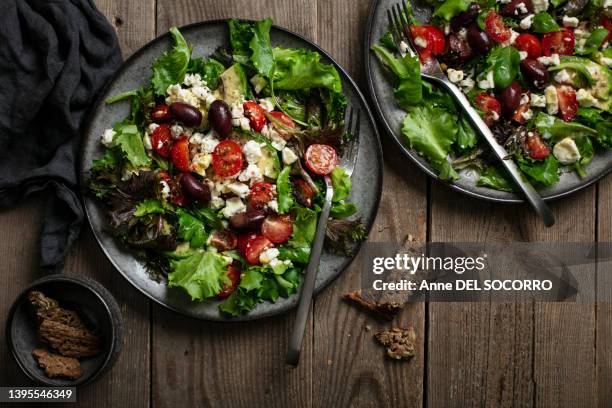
[(254, 247), (177, 195), (285, 122), (530, 44), (256, 115), (277, 228), (490, 106), (234, 276), (227, 158), (568, 105), (607, 24), (224, 240), (161, 140), (432, 35), (321, 159), (495, 27), (535, 147), (243, 240), (180, 154), (559, 42), (161, 113), (518, 114), (261, 194)]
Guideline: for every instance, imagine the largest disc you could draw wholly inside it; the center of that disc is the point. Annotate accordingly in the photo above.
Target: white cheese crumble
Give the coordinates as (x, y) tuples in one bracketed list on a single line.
[(250, 174), (584, 98), (200, 162), (252, 151), (267, 104), (107, 137), (206, 143), (276, 139), (523, 55), (538, 101), (403, 47), (178, 94), (240, 189), (233, 205), (165, 189), (421, 42), (552, 102), (243, 123), (177, 131), (562, 76), (268, 255), (521, 8), (289, 156), (570, 21), (566, 151), (494, 115), (273, 205), (552, 60), (525, 23), (524, 99), (216, 203), (467, 84), (527, 115), (454, 75), (488, 82), (146, 141), (539, 5)]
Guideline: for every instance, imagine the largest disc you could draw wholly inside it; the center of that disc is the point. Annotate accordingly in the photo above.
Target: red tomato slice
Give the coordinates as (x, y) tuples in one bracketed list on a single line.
[(321, 159), (490, 106), (535, 147), (234, 276), (161, 113), (607, 24), (432, 35), (277, 228), (254, 247), (518, 114), (243, 240), (180, 154), (560, 42), (256, 115), (530, 44), (161, 140), (261, 194), (568, 105), (495, 27), (227, 159)]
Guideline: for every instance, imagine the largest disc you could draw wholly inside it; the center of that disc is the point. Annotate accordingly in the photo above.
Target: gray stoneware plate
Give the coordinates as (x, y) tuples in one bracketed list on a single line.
[(391, 116), (206, 37)]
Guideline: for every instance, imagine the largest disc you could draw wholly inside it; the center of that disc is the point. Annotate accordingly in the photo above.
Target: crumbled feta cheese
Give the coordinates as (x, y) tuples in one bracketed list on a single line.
[(276, 139), (267, 104), (233, 205), (562, 76), (403, 47), (146, 141), (494, 115), (207, 143), (192, 80), (243, 123), (552, 60), (447, 29), (488, 82), (251, 173), (524, 99), (277, 262), (200, 162), (237, 110), (523, 55), (467, 84), (538, 101), (607, 4), (521, 8), (539, 5), (216, 203), (165, 189), (527, 115), (513, 36), (273, 205), (177, 131), (252, 151), (152, 127), (268, 255), (552, 102), (178, 94), (289, 156), (240, 189), (420, 41), (107, 137), (454, 75), (525, 23), (584, 98), (570, 21), (566, 151)]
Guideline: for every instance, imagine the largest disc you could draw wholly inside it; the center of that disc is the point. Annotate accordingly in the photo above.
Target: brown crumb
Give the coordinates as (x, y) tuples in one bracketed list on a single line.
[(398, 341), (49, 309), (58, 366), (69, 341), (385, 309)]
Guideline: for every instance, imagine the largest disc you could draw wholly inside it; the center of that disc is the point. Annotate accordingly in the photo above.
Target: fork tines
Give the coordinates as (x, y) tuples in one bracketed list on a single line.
[(399, 23), (353, 126)]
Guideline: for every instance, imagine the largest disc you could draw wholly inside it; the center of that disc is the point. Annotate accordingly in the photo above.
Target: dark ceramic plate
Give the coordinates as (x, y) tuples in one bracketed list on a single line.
[(206, 37), (95, 305), (391, 116)]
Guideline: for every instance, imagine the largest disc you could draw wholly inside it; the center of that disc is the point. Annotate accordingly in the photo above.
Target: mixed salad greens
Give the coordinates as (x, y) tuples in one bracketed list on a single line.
[(215, 176), (538, 72)]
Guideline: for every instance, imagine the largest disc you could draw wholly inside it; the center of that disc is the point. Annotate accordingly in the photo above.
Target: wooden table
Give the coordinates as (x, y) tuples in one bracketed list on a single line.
[(468, 354)]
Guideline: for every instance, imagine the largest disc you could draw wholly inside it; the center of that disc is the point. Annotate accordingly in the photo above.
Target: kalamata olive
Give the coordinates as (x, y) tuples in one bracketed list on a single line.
[(161, 113), (479, 40), (534, 71), (188, 115), (459, 48), (249, 220), (195, 188), (510, 99), (224, 240), (517, 9), (466, 18), (220, 118)]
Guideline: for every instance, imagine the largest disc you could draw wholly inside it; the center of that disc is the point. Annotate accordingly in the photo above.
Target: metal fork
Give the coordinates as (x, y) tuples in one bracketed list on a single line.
[(400, 30), (347, 162)]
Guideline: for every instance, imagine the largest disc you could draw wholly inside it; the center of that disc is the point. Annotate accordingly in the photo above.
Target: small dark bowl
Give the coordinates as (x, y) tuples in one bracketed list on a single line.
[(95, 305)]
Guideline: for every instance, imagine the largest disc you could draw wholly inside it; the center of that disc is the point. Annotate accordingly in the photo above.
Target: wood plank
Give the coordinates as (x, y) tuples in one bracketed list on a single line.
[(510, 354), (603, 341), (241, 365), (351, 369)]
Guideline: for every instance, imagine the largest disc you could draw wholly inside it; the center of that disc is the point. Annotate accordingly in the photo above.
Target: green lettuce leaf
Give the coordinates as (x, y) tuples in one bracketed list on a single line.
[(466, 136), (495, 178), (149, 206), (302, 69), (202, 274), (262, 57), (556, 129), (599, 121), (592, 44), (284, 190), (191, 229), (341, 183), (587, 152), (171, 67), (431, 131), (544, 172), (342, 210), (210, 70), (450, 8), (544, 23), (409, 91), (504, 62), (129, 140), (304, 228)]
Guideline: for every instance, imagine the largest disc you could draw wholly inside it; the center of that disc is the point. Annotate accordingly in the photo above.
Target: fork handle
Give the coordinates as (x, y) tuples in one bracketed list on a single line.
[(533, 197), (299, 326)]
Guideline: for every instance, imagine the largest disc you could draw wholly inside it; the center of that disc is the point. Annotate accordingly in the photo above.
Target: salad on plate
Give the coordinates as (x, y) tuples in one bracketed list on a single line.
[(537, 71), (215, 176)]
